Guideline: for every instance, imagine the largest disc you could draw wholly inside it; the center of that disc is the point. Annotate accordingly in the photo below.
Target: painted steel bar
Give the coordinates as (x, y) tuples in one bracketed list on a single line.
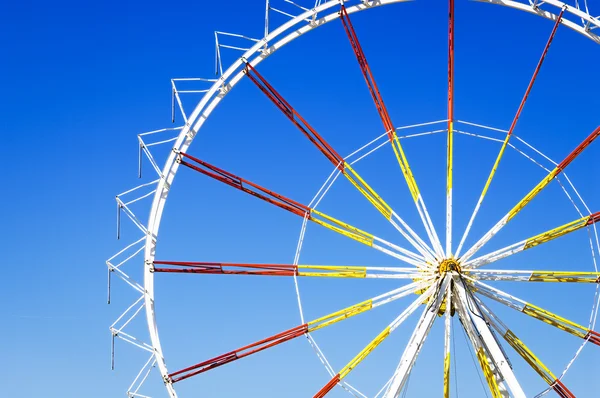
[(330, 271), (532, 194), (298, 209), (447, 334), (533, 276), (536, 312), (450, 141), (525, 352), (492, 358), (344, 167), (510, 132), (375, 342), (390, 130), (533, 241), (297, 331), (417, 340)]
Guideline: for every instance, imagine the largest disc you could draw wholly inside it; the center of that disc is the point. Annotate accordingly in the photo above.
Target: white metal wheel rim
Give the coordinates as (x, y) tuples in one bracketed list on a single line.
[(231, 77)]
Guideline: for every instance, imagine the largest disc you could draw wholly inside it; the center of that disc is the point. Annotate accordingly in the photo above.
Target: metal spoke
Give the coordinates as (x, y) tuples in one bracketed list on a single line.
[(375, 342), (495, 365), (447, 333), (298, 331), (536, 312), (524, 351), (510, 131), (391, 131), (327, 271), (417, 339), (533, 241), (533, 276), (532, 194), (450, 142), (301, 210)]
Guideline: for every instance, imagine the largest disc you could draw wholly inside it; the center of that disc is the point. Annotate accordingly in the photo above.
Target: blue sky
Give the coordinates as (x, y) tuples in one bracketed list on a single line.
[(81, 80)]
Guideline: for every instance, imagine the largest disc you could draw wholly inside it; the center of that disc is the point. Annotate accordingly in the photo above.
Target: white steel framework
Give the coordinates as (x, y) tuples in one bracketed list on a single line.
[(442, 277)]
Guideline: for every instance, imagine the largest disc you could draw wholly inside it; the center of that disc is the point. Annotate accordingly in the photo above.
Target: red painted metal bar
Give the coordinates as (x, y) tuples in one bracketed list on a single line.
[(328, 387), (223, 268), (239, 353), (450, 64), (294, 117), (561, 390), (593, 337), (366, 70), (242, 184), (579, 149), (594, 218), (535, 73)]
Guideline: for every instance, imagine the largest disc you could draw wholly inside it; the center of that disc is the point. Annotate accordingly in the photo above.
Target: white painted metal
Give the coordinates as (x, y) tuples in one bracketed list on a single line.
[(586, 26), (478, 344), (473, 315), (417, 339), (447, 335)]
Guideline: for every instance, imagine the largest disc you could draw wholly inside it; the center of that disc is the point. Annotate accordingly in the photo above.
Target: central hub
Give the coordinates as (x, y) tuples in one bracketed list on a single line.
[(449, 265)]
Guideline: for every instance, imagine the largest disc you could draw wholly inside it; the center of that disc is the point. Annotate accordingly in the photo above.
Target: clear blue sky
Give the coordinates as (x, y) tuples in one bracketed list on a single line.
[(80, 80)]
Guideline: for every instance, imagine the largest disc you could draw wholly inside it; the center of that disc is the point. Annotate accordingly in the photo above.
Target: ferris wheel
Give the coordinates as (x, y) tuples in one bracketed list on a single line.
[(443, 276)]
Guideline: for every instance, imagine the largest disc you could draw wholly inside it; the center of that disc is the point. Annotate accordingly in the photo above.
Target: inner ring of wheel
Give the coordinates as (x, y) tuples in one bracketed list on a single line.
[(228, 80)]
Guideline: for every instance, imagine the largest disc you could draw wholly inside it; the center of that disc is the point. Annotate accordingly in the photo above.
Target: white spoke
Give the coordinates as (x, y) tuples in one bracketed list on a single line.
[(447, 333), (533, 241), (417, 340), (533, 276), (375, 342), (471, 316), (536, 312), (532, 194), (414, 239), (524, 351)]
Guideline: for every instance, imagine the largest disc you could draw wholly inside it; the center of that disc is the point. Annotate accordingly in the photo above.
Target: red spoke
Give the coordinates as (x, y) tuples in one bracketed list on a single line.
[(593, 337), (535, 73), (223, 268), (561, 390), (294, 116), (328, 387), (239, 353), (579, 149), (366, 70), (245, 186), (283, 202)]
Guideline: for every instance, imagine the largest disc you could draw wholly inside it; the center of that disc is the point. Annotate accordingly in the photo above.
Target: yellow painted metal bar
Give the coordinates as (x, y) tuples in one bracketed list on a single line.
[(342, 228), (406, 171), (556, 232), (555, 276), (496, 163), (487, 372), (529, 357), (447, 376), (555, 320), (533, 193), (364, 353), (340, 315), (332, 271), (367, 191)]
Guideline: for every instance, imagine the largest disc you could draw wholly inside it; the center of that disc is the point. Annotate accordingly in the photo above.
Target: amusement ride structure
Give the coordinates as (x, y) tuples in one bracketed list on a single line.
[(449, 279)]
